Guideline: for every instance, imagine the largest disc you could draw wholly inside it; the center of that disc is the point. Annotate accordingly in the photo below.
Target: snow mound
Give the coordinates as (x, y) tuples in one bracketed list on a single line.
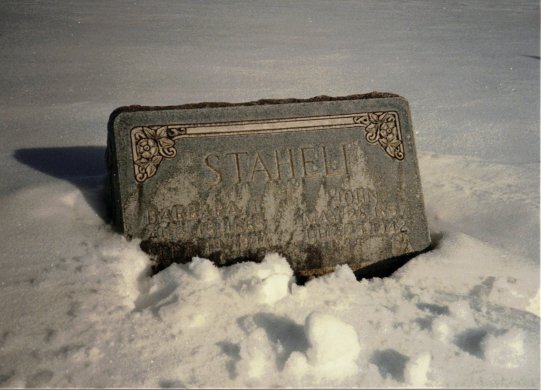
[(416, 373), (334, 349), (204, 270), (255, 353), (506, 350)]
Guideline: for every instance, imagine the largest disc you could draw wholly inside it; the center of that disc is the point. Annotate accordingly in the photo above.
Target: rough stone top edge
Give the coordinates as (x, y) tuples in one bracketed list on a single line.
[(320, 98)]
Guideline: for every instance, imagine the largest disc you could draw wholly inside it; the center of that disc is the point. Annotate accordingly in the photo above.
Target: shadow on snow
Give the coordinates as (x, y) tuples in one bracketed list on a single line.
[(83, 166)]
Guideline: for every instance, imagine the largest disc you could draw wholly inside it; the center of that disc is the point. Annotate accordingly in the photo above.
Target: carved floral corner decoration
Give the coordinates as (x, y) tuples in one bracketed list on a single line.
[(383, 128), (150, 145)]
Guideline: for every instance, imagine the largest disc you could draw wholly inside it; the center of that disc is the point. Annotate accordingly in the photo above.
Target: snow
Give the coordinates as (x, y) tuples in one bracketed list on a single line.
[(78, 306), (334, 347), (506, 350), (416, 371)]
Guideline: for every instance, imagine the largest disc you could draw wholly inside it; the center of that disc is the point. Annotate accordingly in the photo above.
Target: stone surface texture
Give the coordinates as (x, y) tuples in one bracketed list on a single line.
[(322, 181)]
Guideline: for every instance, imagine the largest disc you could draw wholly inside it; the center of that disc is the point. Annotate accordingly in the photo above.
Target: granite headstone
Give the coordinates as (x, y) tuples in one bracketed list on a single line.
[(322, 181)]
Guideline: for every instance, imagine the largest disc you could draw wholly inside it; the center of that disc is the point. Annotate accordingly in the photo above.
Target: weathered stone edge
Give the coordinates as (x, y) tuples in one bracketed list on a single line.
[(321, 98)]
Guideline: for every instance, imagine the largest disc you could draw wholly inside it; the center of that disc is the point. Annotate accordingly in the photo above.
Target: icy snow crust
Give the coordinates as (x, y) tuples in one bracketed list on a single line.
[(78, 307)]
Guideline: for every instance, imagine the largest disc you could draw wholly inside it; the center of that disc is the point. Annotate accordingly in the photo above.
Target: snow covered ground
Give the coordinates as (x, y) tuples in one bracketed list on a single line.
[(77, 306)]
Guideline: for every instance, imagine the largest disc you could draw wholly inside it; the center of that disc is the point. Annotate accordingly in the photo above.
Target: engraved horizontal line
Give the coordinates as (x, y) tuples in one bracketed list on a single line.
[(272, 120), (268, 126), (267, 131)]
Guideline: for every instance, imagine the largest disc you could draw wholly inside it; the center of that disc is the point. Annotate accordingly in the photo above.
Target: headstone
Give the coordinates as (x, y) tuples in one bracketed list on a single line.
[(322, 181)]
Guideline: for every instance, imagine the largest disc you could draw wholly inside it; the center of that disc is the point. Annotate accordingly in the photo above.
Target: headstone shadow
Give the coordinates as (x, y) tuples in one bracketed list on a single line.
[(83, 166)]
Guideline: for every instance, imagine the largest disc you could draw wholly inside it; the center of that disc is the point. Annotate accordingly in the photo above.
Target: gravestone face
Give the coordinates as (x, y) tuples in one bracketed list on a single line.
[(322, 181)]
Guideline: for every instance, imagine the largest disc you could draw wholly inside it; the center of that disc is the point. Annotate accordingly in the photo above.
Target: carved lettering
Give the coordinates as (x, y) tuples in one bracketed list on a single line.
[(306, 160), (237, 163), (327, 171), (289, 163), (346, 162), (260, 166), (214, 168), (314, 161)]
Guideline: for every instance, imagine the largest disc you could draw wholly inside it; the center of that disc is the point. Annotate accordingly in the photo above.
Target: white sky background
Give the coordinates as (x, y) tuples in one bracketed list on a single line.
[(470, 71)]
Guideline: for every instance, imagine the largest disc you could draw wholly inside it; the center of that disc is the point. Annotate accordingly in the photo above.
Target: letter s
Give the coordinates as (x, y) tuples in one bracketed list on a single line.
[(214, 169)]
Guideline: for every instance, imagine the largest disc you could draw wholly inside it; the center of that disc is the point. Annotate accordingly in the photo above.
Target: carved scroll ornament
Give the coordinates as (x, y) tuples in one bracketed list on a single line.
[(150, 145), (383, 128)]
